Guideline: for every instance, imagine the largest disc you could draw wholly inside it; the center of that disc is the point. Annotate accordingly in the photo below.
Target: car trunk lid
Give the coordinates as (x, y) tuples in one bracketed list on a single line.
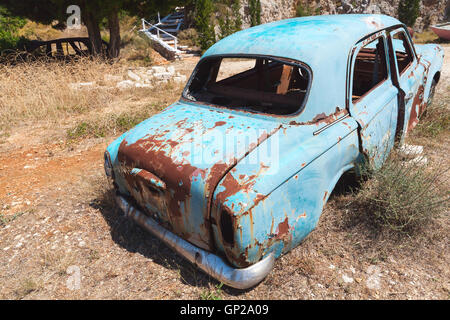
[(172, 162)]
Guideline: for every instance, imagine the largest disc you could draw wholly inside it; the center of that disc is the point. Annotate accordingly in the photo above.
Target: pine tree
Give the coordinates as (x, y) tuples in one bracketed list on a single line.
[(229, 20), (204, 24), (255, 12), (93, 12), (408, 11)]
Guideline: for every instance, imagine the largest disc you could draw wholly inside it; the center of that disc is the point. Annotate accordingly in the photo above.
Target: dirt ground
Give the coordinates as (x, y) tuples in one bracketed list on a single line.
[(58, 222)]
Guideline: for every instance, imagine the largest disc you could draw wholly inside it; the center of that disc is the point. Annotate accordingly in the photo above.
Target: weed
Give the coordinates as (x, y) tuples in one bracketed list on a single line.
[(212, 295), (110, 123), (26, 287), (5, 220), (402, 197), (436, 120)]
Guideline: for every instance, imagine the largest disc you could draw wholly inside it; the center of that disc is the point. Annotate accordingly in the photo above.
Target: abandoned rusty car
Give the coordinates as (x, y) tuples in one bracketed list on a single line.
[(237, 172)]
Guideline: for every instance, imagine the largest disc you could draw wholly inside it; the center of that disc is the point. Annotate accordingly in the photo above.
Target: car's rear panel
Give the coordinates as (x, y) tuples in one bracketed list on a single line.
[(171, 163)]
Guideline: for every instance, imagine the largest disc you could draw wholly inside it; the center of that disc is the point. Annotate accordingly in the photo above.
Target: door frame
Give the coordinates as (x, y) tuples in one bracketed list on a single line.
[(393, 75)]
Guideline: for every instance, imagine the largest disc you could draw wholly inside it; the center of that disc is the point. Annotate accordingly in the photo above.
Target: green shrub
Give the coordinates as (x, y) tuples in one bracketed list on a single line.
[(402, 196), (188, 37), (9, 29), (109, 124)]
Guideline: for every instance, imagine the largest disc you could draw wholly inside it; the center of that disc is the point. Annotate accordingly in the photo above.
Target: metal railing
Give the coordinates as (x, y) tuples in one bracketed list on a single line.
[(148, 27)]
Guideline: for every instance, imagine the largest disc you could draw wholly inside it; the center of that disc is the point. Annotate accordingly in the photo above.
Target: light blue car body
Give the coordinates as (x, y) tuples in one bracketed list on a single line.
[(242, 210)]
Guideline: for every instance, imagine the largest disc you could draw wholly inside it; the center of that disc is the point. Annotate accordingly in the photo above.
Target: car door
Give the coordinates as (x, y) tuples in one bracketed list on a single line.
[(373, 97), (410, 74)]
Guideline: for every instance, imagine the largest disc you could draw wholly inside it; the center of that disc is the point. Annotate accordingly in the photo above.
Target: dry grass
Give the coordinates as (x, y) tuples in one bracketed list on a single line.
[(50, 93), (436, 121), (42, 90), (402, 197), (427, 36)]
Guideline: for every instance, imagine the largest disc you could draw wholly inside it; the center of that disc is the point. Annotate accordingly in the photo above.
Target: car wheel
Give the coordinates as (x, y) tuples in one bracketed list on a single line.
[(430, 98), (431, 95)]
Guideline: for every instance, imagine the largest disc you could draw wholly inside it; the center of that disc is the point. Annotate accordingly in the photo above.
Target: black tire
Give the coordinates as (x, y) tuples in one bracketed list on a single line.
[(431, 94), (430, 98)]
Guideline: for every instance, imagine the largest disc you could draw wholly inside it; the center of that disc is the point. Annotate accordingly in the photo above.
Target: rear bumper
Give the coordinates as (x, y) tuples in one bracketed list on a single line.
[(210, 263)]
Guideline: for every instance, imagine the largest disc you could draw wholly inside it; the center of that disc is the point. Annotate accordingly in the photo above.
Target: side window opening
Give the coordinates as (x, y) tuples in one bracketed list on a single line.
[(370, 68), (266, 85), (402, 50)]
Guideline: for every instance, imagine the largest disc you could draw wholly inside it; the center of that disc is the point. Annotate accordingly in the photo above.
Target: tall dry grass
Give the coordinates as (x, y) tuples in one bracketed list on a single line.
[(403, 196), (53, 93), (42, 90)]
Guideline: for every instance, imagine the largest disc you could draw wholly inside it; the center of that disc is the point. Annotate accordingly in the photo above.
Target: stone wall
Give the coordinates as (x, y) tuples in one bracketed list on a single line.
[(431, 11)]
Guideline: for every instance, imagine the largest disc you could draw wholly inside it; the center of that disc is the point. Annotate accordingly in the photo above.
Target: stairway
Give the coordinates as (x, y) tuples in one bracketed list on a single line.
[(163, 35)]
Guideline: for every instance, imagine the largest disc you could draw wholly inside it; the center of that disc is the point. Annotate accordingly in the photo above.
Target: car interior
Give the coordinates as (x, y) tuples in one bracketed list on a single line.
[(263, 85), (370, 68), (403, 52)]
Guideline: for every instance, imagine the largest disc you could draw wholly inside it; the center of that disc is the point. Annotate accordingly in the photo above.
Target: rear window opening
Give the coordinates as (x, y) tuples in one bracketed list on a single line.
[(262, 84)]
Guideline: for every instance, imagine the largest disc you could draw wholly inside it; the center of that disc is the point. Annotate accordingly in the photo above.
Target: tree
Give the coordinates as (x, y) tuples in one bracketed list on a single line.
[(204, 24), (255, 12), (93, 13), (9, 27), (229, 18), (408, 11)]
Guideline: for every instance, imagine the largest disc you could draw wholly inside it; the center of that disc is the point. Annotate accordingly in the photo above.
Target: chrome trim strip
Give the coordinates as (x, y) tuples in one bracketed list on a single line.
[(330, 124)]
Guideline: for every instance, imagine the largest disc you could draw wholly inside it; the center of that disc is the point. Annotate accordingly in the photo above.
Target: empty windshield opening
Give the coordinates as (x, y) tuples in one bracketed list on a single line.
[(266, 85)]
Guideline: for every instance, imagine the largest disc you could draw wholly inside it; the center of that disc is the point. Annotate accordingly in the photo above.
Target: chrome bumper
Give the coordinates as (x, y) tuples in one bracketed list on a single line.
[(210, 263)]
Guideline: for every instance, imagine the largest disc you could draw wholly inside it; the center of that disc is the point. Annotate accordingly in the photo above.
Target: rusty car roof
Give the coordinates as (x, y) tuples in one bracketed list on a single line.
[(322, 42)]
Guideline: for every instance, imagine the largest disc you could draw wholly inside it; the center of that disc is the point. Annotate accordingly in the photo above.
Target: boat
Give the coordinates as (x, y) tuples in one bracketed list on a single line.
[(442, 30)]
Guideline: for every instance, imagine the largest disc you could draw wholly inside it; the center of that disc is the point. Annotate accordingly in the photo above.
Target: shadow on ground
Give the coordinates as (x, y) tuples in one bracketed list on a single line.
[(134, 239)]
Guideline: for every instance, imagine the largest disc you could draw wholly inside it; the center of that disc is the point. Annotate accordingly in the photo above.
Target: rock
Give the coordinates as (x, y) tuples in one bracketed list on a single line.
[(81, 85), (125, 84), (180, 79), (373, 281), (110, 77), (133, 76), (171, 70), (158, 69), (143, 85), (163, 75), (420, 160), (411, 150), (347, 6), (347, 279), (431, 11)]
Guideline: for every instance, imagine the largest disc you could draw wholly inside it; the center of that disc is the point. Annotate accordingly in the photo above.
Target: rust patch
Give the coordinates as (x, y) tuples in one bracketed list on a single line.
[(258, 199), (282, 229), (322, 118), (219, 123)]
